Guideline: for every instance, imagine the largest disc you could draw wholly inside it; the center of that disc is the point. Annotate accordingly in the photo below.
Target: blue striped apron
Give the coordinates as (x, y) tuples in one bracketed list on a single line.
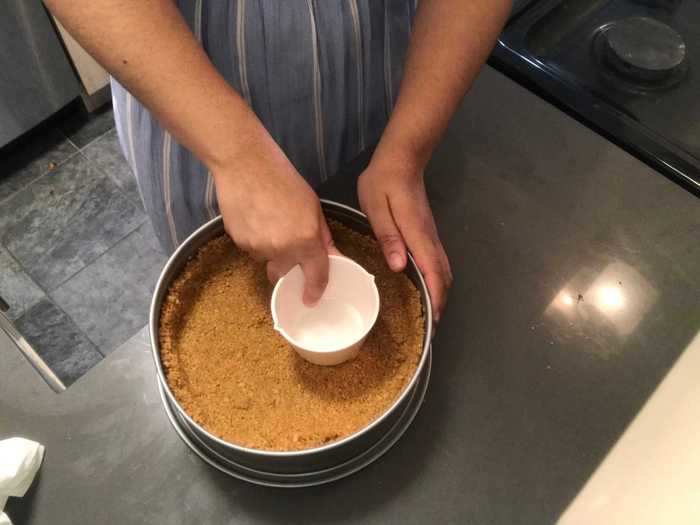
[(321, 75)]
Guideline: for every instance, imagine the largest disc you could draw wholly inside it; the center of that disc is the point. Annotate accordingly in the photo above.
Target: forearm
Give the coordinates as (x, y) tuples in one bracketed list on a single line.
[(450, 42), (150, 50)]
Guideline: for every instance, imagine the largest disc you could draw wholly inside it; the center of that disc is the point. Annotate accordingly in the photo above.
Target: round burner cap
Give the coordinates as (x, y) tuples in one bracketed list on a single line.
[(644, 48)]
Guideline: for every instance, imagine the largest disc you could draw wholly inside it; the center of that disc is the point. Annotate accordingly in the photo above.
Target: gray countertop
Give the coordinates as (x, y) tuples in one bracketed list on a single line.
[(576, 285)]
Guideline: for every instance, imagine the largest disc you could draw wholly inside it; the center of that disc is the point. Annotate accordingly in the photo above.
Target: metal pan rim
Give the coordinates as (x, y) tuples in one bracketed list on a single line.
[(161, 288), (329, 475)]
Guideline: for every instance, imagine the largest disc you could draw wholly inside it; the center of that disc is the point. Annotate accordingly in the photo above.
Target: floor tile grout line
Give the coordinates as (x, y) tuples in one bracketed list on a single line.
[(29, 276), (71, 142), (54, 301), (25, 270), (43, 174), (98, 257), (89, 261), (78, 150), (138, 202), (50, 299), (92, 140), (49, 294), (77, 212), (77, 327)]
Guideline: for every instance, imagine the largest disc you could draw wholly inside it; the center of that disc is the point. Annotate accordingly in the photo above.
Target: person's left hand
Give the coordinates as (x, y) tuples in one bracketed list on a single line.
[(396, 204)]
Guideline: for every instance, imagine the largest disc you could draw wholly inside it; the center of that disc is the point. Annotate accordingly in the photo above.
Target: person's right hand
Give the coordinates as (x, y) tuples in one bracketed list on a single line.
[(273, 214)]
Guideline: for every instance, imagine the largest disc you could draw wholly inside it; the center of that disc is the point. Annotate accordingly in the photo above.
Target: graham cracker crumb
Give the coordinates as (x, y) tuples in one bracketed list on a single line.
[(239, 379)]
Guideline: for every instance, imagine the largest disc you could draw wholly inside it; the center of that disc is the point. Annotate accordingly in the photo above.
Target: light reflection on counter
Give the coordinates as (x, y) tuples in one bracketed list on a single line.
[(609, 299), (595, 305)]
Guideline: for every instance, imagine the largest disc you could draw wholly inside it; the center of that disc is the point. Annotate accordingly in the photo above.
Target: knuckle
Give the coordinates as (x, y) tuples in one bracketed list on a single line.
[(277, 245), (307, 243), (308, 234), (389, 239)]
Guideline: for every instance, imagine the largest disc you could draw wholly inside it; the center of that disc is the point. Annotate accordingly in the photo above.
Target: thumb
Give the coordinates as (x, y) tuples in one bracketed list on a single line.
[(315, 269), (387, 234)]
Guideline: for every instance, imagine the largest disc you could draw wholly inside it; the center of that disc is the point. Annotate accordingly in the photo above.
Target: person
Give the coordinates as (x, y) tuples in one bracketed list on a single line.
[(243, 106)]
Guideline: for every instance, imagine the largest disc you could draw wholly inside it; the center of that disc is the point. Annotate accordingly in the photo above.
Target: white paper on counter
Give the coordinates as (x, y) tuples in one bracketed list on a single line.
[(652, 474), (20, 460)]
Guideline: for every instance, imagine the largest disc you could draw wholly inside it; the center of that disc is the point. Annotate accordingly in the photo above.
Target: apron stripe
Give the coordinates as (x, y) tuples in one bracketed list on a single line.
[(209, 190), (130, 131), (210, 196), (361, 43), (131, 153), (318, 113), (240, 50), (167, 194), (198, 20), (359, 56), (388, 88)]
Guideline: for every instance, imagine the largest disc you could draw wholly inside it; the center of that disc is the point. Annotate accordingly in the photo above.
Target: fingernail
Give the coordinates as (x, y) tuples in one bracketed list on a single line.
[(395, 261)]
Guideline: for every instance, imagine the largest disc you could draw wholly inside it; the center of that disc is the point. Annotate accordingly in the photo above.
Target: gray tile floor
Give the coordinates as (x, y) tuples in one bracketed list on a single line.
[(78, 258)]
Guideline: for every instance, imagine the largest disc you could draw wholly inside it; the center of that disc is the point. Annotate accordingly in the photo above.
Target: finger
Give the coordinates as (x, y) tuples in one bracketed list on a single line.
[(277, 269), (445, 263), (438, 291), (437, 280), (315, 268), (247, 248), (327, 238), (417, 227), (447, 266), (387, 233)]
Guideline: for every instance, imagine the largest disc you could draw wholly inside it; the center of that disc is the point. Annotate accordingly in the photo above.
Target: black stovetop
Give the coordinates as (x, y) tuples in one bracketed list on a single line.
[(626, 67)]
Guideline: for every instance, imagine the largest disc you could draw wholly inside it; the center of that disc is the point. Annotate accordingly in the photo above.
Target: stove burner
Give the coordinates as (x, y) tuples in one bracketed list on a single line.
[(643, 49)]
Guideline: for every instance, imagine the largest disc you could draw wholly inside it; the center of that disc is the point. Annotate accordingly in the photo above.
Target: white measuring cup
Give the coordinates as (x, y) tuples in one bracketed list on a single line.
[(333, 330)]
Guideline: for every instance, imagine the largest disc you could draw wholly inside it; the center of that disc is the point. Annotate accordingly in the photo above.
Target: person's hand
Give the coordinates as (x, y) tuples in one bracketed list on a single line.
[(396, 204), (271, 213)]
